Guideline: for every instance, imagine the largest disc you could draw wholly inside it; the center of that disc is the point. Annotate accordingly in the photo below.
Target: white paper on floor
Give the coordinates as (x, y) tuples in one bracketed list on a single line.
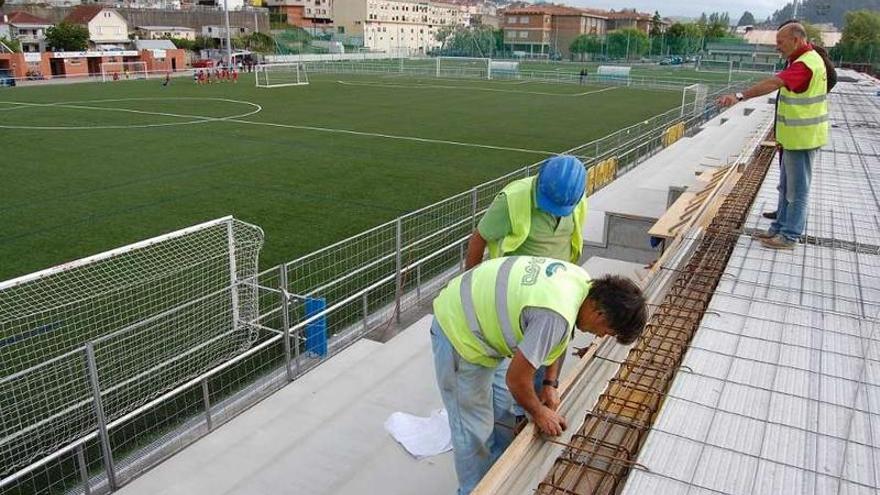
[(421, 437)]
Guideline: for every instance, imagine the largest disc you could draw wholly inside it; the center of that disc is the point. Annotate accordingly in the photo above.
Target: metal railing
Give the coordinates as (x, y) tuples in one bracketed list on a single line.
[(309, 309)]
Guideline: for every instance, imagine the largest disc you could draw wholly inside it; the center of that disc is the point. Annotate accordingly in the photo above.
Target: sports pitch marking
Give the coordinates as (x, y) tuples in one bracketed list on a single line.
[(472, 88), (201, 119), (197, 119)]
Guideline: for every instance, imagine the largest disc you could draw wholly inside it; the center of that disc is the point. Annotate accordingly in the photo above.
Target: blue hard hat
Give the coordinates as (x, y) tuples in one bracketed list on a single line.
[(561, 183)]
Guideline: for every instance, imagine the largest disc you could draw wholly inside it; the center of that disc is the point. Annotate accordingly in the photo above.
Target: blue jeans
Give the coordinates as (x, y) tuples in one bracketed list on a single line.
[(475, 397), (796, 170)]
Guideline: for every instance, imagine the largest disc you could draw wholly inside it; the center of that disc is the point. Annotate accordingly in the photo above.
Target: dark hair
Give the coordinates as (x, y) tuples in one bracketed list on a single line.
[(623, 305)]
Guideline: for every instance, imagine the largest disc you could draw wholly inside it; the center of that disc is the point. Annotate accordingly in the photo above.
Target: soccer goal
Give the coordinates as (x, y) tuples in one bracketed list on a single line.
[(281, 75), (478, 68), (122, 71), (614, 73), (693, 99)]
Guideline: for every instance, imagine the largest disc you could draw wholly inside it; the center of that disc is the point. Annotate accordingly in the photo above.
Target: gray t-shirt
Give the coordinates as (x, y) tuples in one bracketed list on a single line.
[(543, 329)]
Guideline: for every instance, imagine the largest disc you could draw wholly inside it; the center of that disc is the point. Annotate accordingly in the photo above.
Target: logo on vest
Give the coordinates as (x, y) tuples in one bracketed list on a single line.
[(553, 268), (533, 269)]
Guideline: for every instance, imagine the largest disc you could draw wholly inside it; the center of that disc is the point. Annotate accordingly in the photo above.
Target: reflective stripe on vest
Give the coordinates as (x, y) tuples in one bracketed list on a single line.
[(802, 101), (470, 313), (801, 122)]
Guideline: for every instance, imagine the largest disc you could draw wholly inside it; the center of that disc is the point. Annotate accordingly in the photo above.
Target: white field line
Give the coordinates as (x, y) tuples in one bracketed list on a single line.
[(198, 119), (472, 88)]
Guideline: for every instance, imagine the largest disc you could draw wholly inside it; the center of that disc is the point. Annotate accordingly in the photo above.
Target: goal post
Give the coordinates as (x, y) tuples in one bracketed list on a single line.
[(474, 67), (281, 75), (154, 314), (693, 99), (720, 66), (122, 71)]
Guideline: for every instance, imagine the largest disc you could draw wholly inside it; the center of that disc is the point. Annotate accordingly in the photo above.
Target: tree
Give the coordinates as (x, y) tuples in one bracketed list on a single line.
[(13, 45), (684, 38), (861, 38), (68, 37), (656, 25), (2, 3), (718, 26), (627, 43), (461, 41), (747, 19), (586, 43), (182, 43), (814, 36)]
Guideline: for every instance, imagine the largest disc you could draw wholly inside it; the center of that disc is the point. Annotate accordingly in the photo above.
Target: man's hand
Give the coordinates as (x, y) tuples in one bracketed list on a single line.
[(549, 422), (549, 397), (726, 100)]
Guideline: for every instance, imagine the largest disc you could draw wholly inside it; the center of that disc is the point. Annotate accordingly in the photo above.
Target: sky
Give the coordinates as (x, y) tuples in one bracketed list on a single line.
[(688, 8)]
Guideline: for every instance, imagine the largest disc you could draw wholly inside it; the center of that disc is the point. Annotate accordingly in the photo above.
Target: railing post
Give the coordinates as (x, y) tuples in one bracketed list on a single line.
[(99, 416), (83, 469), (365, 307), (473, 209), (419, 282), (285, 319), (206, 399), (398, 281)]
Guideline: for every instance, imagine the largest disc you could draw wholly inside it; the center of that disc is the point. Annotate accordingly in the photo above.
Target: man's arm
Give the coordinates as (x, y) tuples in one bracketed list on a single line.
[(520, 381), (764, 87), (549, 395), (475, 249)]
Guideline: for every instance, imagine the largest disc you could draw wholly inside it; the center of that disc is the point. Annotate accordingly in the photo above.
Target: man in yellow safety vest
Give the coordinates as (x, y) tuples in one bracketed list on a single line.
[(801, 129), (524, 308)]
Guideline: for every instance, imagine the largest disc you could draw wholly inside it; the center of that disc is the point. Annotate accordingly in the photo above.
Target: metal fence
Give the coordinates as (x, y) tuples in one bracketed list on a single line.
[(308, 310)]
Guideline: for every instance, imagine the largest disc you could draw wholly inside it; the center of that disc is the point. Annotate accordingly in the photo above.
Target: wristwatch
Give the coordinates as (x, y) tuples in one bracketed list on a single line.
[(740, 96), (551, 383)]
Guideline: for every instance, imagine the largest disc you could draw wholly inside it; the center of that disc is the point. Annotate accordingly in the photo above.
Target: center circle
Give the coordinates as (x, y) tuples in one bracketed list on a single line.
[(196, 119)]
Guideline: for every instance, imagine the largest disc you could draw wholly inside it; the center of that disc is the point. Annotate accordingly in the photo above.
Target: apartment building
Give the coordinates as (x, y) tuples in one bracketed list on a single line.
[(303, 13), (108, 30), (631, 19), (548, 29), (404, 27), (27, 29)]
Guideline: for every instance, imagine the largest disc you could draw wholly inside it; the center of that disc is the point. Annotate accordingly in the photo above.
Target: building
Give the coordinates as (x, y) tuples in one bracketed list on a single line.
[(631, 19), (108, 30), (161, 55), (27, 29), (403, 27), (767, 37), (543, 30), (164, 32), (219, 32), (303, 13)]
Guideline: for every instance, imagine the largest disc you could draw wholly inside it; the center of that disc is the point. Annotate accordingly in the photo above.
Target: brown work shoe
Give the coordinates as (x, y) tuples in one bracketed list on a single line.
[(764, 234), (778, 242)]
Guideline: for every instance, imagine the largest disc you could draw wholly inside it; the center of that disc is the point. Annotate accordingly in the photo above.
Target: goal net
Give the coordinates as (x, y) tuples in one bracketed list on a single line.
[(281, 75), (122, 71), (479, 68), (156, 313), (614, 73), (693, 99)]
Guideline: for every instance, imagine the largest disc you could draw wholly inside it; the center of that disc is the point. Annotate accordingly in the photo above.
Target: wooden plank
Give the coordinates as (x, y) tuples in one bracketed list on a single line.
[(663, 226)]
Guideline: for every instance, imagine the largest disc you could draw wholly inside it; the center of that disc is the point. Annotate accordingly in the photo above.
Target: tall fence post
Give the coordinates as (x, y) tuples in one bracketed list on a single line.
[(473, 209), (99, 416), (206, 399), (83, 469), (285, 318), (398, 281)]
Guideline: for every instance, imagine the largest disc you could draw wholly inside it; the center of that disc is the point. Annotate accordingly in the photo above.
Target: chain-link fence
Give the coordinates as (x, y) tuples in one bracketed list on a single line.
[(160, 369)]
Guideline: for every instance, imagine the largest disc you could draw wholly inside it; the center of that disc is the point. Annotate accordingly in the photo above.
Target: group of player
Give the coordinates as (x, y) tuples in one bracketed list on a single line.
[(215, 75)]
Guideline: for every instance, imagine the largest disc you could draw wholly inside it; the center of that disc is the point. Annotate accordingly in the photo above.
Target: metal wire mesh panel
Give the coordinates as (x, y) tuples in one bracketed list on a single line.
[(157, 312)]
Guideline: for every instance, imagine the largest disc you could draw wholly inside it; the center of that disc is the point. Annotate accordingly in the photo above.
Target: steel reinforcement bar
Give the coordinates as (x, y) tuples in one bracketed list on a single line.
[(599, 456)]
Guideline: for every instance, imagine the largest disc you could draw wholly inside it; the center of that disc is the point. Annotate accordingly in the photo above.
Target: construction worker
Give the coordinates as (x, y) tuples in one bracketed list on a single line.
[(524, 308), (801, 129), (537, 216)]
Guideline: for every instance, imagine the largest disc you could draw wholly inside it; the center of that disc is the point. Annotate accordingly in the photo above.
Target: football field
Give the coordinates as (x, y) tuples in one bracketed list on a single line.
[(89, 167)]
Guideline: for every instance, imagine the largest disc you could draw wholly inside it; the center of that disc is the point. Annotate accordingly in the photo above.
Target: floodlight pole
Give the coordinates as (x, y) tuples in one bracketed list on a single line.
[(228, 37), (794, 6)]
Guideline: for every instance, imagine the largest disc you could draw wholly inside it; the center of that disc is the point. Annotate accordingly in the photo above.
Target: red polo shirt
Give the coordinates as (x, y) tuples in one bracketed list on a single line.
[(797, 75)]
